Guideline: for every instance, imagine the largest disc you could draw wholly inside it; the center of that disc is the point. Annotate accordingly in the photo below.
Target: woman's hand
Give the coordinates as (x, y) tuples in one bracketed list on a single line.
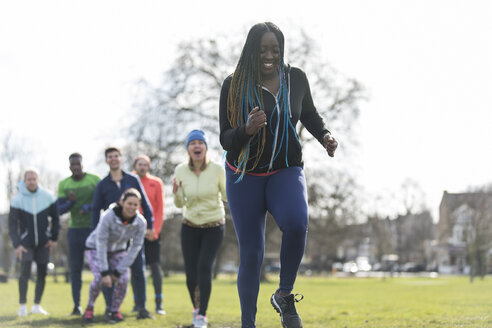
[(176, 186), (330, 144), (256, 121)]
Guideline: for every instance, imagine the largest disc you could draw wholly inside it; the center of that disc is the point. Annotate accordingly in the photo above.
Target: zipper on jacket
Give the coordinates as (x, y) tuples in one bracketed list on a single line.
[(35, 217), (276, 109), (288, 93)]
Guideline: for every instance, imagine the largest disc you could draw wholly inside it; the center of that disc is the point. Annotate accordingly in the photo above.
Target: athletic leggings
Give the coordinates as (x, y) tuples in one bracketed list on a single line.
[(200, 246), (119, 291), (24, 279), (284, 195)]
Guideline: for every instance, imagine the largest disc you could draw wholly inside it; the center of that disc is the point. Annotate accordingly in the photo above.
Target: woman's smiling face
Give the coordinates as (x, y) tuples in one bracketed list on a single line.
[(269, 54), (130, 206)]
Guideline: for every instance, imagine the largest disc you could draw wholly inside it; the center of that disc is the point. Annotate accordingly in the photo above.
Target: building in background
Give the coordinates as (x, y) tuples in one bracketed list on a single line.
[(464, 232)]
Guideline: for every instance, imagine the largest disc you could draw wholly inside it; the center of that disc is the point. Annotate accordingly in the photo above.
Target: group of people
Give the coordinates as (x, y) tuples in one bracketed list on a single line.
[(260, 106)]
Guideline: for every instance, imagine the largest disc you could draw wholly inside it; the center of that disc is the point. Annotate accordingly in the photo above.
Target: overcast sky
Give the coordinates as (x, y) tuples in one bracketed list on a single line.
[(68, 68)]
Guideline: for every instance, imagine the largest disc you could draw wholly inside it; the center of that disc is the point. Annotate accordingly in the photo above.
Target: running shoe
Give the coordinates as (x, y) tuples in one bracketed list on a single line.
[(77, 310), (22, 311), (38, 309), (200, 321), (285, 306), (116, 317), (193, 316), (89, 315), (160, 311), (144, 314)]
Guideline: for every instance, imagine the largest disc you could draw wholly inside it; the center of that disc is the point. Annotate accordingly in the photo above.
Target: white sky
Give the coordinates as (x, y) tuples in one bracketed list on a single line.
[(68, 68)]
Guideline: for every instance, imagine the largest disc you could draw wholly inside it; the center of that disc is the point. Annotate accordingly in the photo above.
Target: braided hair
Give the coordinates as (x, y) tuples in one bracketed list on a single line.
[(245, 90)]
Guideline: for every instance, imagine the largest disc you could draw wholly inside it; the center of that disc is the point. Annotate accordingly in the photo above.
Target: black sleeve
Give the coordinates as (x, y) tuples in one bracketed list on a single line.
[(55, 221), (310, 117), (230, 138), (14, 215), (97, 205)]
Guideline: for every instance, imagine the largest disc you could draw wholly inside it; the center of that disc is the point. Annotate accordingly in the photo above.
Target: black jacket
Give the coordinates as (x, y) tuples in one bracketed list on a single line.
[(302, 108)]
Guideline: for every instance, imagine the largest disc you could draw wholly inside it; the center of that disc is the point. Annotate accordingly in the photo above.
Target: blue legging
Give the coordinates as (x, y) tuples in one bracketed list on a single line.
[(284, 195)]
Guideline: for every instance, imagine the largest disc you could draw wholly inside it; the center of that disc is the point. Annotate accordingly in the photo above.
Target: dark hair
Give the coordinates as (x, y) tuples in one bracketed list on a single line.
[(110, 150), (245, 90), (74, 155), (130, 192)]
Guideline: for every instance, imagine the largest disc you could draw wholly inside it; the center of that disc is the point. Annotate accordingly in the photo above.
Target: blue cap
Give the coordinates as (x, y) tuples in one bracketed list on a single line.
[(196, 135)]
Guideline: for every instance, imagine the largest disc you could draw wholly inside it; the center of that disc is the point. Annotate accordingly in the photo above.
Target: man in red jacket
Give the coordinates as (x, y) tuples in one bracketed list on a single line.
[(154, 189)]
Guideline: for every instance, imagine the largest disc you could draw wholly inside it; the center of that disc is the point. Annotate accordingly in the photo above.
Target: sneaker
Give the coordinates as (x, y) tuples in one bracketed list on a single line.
[(108, 314), (200, 321), (193, 317), (22, 311), (38, 309), (77, 310), (89, 315), (116, 317), (285, 306), (160, 311), (144, 314)]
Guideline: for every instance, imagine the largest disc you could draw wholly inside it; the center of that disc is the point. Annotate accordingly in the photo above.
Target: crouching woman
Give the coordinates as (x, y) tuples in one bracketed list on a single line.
[(108, 253)]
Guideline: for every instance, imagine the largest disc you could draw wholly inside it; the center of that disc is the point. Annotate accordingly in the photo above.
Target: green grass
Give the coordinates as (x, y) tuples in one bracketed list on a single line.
[(329, 302)]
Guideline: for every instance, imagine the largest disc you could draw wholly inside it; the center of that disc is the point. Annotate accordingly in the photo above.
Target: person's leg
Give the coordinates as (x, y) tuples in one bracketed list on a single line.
[(40, 281), (152, 258), (41, 257), (25, 274), (247, 204), (120, 289), (211, 241), (76, 245), (107, 293), (190, 246), (287, 202), (96, 284), (138, 280), (155, 269)]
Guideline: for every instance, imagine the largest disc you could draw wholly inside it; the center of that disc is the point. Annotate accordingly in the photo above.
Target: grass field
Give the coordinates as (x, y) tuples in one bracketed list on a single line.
[(329, 302)]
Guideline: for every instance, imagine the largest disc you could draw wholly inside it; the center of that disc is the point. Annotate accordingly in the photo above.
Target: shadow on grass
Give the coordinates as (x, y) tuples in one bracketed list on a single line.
[(71, 321), (6, 318), (46, 322)]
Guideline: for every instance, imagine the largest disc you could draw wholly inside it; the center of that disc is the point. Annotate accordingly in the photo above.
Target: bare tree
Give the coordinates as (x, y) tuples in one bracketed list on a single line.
[(13, 153), (412, 197), (17, 153), (382, 236), (333, 204)]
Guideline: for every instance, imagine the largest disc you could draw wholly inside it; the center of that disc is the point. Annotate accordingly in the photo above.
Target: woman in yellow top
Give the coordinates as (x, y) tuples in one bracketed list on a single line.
[(199, 187)]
